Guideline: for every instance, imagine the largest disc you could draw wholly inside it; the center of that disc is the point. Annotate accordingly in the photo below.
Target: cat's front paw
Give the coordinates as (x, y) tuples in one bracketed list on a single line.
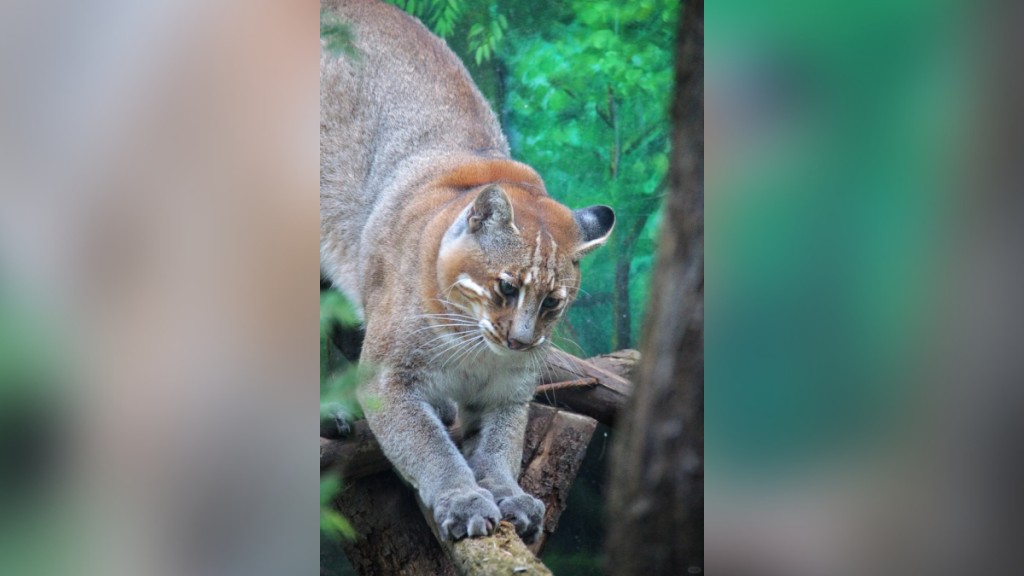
[(525, 512), (468, 512)]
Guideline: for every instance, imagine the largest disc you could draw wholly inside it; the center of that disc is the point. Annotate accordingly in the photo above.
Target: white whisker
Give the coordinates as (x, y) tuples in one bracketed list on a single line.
[(446, 325), (465, 346), (458, 336), (476, 347), (482, 346), (448, 345), (444, 315), (569, 340), (442, 338)]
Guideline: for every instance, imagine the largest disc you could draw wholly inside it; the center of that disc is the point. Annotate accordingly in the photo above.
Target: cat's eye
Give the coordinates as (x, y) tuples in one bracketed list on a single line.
[(507, 289), (550, 302)]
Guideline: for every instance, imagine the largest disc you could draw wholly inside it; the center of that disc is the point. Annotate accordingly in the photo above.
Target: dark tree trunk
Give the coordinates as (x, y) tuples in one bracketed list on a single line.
[(656, 495)]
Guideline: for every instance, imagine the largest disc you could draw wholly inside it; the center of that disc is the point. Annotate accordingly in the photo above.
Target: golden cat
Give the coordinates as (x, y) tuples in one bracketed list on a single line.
[(457, 257)]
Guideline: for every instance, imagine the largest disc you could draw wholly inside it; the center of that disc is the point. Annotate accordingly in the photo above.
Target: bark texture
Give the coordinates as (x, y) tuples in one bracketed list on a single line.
[(395, 538), (556, 443), (500, 554), (656, 493), (603, 399)]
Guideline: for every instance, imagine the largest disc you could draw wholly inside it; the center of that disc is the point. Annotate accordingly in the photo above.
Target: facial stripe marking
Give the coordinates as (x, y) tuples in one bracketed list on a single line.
[(467, 283), (522, 298), (536, 250), (551, 257)]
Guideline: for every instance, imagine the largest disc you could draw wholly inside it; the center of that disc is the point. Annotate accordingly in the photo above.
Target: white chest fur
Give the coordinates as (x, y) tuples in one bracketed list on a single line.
[(489, 380)]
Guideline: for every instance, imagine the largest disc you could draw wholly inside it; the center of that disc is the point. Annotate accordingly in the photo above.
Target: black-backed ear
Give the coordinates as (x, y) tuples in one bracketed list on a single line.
[(595, 224), (492, 209)]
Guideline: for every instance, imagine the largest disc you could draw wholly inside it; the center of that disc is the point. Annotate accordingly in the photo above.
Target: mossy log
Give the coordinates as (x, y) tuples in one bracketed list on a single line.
[(394, 538)]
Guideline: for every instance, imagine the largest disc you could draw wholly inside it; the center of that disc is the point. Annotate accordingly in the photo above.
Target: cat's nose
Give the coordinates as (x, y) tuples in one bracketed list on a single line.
[(517, 344)]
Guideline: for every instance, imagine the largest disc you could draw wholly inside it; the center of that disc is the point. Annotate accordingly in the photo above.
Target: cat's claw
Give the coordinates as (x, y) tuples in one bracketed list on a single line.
[(467, 512), (526, 513)]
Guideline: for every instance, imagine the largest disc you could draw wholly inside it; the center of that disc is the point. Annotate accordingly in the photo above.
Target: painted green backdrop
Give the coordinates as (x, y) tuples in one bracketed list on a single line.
[(581, 89)]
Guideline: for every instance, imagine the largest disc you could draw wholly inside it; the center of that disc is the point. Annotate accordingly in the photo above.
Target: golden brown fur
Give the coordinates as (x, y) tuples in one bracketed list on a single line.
[(457, 257)]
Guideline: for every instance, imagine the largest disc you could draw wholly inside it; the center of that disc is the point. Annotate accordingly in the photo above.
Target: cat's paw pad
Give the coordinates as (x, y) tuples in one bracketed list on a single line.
[(462, 513), (335, 421), (525, 512)]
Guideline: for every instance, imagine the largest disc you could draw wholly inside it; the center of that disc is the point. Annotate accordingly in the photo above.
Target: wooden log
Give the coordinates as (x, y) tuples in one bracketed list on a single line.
[(499, 554), (393, 537), (621, 362), (601, 401), (550, 465), (359, 454), (384, 512)]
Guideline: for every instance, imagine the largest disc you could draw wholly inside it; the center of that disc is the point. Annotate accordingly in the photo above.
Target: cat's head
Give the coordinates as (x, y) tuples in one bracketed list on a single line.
[(508, 266)]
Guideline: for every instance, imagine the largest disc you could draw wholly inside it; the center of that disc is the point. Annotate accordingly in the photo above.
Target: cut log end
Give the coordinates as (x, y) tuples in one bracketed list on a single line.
[(501, 553)]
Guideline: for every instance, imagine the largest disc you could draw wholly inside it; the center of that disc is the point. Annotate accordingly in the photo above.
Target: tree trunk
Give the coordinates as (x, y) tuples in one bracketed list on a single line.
[(656, 494)]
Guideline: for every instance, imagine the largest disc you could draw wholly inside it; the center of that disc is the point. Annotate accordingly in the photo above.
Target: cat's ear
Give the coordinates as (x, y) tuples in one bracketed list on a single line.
[(595, 224), (491, 210)]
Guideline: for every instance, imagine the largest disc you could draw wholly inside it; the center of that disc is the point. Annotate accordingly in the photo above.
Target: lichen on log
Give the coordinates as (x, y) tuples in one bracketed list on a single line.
[(499, 554)]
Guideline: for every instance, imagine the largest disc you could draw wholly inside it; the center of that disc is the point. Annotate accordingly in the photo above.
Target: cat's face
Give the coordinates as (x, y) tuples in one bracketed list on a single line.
[(509, 267)]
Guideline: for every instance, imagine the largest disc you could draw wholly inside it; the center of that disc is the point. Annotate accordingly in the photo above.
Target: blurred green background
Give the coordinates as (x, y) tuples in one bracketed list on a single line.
[(582, 91), (835, 135)]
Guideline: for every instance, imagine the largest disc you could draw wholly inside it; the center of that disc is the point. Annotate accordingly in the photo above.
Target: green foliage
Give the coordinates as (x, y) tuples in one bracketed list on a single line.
[(337, 387), (336, 34), (587, 106), (441, 16), (484, 39), (482, 28), (331, 522)]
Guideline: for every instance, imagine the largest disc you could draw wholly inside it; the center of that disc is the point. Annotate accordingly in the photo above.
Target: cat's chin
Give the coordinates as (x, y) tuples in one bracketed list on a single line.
[(497, 348), (505, 351)]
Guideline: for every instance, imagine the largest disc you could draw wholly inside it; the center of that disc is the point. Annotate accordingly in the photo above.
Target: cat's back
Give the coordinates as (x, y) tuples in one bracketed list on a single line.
[(395, 96), (397, 92)]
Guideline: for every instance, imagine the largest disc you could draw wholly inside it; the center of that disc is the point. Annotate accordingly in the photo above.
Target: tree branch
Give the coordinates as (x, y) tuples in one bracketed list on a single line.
[(601, 401)]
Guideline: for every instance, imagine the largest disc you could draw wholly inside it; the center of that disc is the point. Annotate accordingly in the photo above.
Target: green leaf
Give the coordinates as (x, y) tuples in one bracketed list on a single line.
[(336, 35)]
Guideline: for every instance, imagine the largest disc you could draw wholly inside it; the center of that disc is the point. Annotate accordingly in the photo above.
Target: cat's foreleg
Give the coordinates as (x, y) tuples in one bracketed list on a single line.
[(417, 444), (493, 444)]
